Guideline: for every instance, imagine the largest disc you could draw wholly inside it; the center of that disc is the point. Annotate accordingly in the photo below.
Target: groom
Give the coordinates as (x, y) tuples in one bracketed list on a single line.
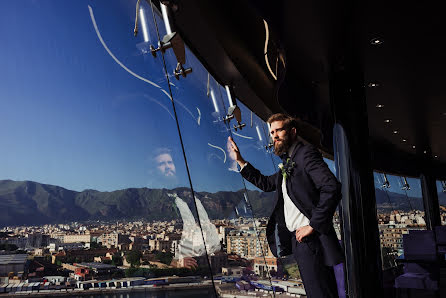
[(307, 195)]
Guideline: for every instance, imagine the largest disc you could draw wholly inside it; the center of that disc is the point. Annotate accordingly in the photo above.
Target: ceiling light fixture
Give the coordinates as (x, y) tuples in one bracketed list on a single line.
[(373, 84), (380, 106), (376, 41), (424, 151), (436, 156), (404, 140), (413, 147), (388, 120), (395, 131)]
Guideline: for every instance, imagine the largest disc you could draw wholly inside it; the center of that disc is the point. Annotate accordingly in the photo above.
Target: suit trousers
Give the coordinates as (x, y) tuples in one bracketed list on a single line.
[(319, 280)]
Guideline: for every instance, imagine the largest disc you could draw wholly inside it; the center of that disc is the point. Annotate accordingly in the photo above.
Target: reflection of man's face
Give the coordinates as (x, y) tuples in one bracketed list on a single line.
[(165, 164)]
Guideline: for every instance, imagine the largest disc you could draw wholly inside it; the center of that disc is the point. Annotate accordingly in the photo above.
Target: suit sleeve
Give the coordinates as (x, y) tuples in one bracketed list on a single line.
[(329, 189), (265, 183)]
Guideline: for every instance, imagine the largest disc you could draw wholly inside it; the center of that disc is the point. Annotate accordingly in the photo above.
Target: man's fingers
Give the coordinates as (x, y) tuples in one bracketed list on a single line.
[(233, 145)]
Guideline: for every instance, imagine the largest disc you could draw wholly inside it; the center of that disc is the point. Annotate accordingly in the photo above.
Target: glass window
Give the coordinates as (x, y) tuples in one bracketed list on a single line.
[(400, 209), (91, 150), (336, 219), (441, 189), (234, 234)]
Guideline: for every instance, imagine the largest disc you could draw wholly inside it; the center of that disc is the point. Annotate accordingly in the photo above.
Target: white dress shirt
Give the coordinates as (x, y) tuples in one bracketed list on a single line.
[(294, 219)]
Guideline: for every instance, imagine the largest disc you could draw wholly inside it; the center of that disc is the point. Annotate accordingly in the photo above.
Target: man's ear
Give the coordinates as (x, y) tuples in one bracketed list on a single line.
[(294, 132)]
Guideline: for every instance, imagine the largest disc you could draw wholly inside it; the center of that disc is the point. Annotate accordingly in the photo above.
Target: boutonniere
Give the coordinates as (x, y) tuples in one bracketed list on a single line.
[(287, 168)]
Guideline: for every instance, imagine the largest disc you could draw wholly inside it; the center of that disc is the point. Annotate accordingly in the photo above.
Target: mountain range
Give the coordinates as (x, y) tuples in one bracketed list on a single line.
[(33, 203)]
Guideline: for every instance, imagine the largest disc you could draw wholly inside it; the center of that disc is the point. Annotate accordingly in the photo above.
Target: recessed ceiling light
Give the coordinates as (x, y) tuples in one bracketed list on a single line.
[(436, 156), (388, 120), (413, 147), (373, 84), (376, 41), (404, 140), (380, 106), (424, 151), (395, 131)]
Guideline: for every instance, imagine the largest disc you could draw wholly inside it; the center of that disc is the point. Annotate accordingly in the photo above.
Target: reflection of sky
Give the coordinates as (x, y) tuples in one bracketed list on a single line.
[(71, 116), (439, 187), (396, 185)]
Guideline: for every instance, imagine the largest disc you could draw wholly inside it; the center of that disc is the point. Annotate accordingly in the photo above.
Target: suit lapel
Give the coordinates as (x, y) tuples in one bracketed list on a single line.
[(296, 149), (295, 200)]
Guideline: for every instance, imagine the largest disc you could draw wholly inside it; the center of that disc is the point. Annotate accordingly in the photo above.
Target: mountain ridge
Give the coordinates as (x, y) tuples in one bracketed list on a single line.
[(33, 203)]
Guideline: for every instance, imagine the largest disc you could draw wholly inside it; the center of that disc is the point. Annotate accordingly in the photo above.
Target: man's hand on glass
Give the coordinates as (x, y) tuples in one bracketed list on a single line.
[(189, 262), (303, 232), (234, 152)]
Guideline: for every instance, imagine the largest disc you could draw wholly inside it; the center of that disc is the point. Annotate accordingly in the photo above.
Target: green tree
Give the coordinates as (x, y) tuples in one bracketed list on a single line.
[(292, 270), (94, 245), (130, 272), (134, 258), (117, 260), (164, 257)]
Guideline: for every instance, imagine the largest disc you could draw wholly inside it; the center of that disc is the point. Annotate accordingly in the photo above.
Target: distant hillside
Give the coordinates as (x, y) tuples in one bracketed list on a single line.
[(27, 203), (387, 201)]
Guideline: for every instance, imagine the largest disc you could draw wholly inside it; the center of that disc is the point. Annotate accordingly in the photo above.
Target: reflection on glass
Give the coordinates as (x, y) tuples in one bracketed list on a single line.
[(231, 234), (191, 243), (93, 164), (441, 190), (164, 163), (92, 151), (400, 209), (336, 218)]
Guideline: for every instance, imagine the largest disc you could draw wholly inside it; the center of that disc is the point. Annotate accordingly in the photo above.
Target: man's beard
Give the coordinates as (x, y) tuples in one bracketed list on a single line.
[(282, 147), (169, 172)]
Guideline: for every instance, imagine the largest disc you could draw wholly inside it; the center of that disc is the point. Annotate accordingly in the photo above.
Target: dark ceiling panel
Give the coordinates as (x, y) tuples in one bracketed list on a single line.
[(409, 67)]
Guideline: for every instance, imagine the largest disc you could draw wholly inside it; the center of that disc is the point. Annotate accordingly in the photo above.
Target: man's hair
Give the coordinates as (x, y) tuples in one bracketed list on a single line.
[(160, 151), (288, 121)]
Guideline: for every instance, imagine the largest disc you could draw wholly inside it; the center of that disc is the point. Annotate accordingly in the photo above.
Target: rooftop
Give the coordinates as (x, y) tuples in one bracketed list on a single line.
[(13, 259)]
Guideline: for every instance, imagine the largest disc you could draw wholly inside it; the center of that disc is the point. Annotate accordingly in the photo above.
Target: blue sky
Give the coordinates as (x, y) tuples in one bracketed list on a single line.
[(73, 117)]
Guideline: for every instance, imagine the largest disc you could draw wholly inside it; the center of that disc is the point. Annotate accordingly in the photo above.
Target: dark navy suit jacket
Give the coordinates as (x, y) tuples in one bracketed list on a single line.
[(314, 190)]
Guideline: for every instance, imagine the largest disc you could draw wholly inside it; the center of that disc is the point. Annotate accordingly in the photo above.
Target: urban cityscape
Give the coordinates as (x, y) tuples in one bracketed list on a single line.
[(77, 256)]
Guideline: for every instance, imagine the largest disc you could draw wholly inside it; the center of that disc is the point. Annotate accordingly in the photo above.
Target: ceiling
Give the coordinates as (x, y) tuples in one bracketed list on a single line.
[(399, 46)]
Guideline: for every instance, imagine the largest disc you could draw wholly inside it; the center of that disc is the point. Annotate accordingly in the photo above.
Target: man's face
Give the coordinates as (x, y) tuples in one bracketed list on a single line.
[(165, 164), (282, 138)]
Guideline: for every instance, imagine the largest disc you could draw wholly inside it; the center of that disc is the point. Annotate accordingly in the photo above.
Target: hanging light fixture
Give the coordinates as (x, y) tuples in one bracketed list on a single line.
[(406, 185), (386, 183)]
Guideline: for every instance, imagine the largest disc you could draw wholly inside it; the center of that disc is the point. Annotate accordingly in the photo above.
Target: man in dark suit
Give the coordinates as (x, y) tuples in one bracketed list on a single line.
[(307, 194)]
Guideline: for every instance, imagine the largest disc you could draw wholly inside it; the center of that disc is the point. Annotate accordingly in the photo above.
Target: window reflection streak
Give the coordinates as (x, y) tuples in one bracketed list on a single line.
[(113, 56)]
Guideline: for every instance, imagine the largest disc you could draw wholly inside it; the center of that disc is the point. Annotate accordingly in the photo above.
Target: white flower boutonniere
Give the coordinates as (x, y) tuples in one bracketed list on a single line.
[(287, 168)]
